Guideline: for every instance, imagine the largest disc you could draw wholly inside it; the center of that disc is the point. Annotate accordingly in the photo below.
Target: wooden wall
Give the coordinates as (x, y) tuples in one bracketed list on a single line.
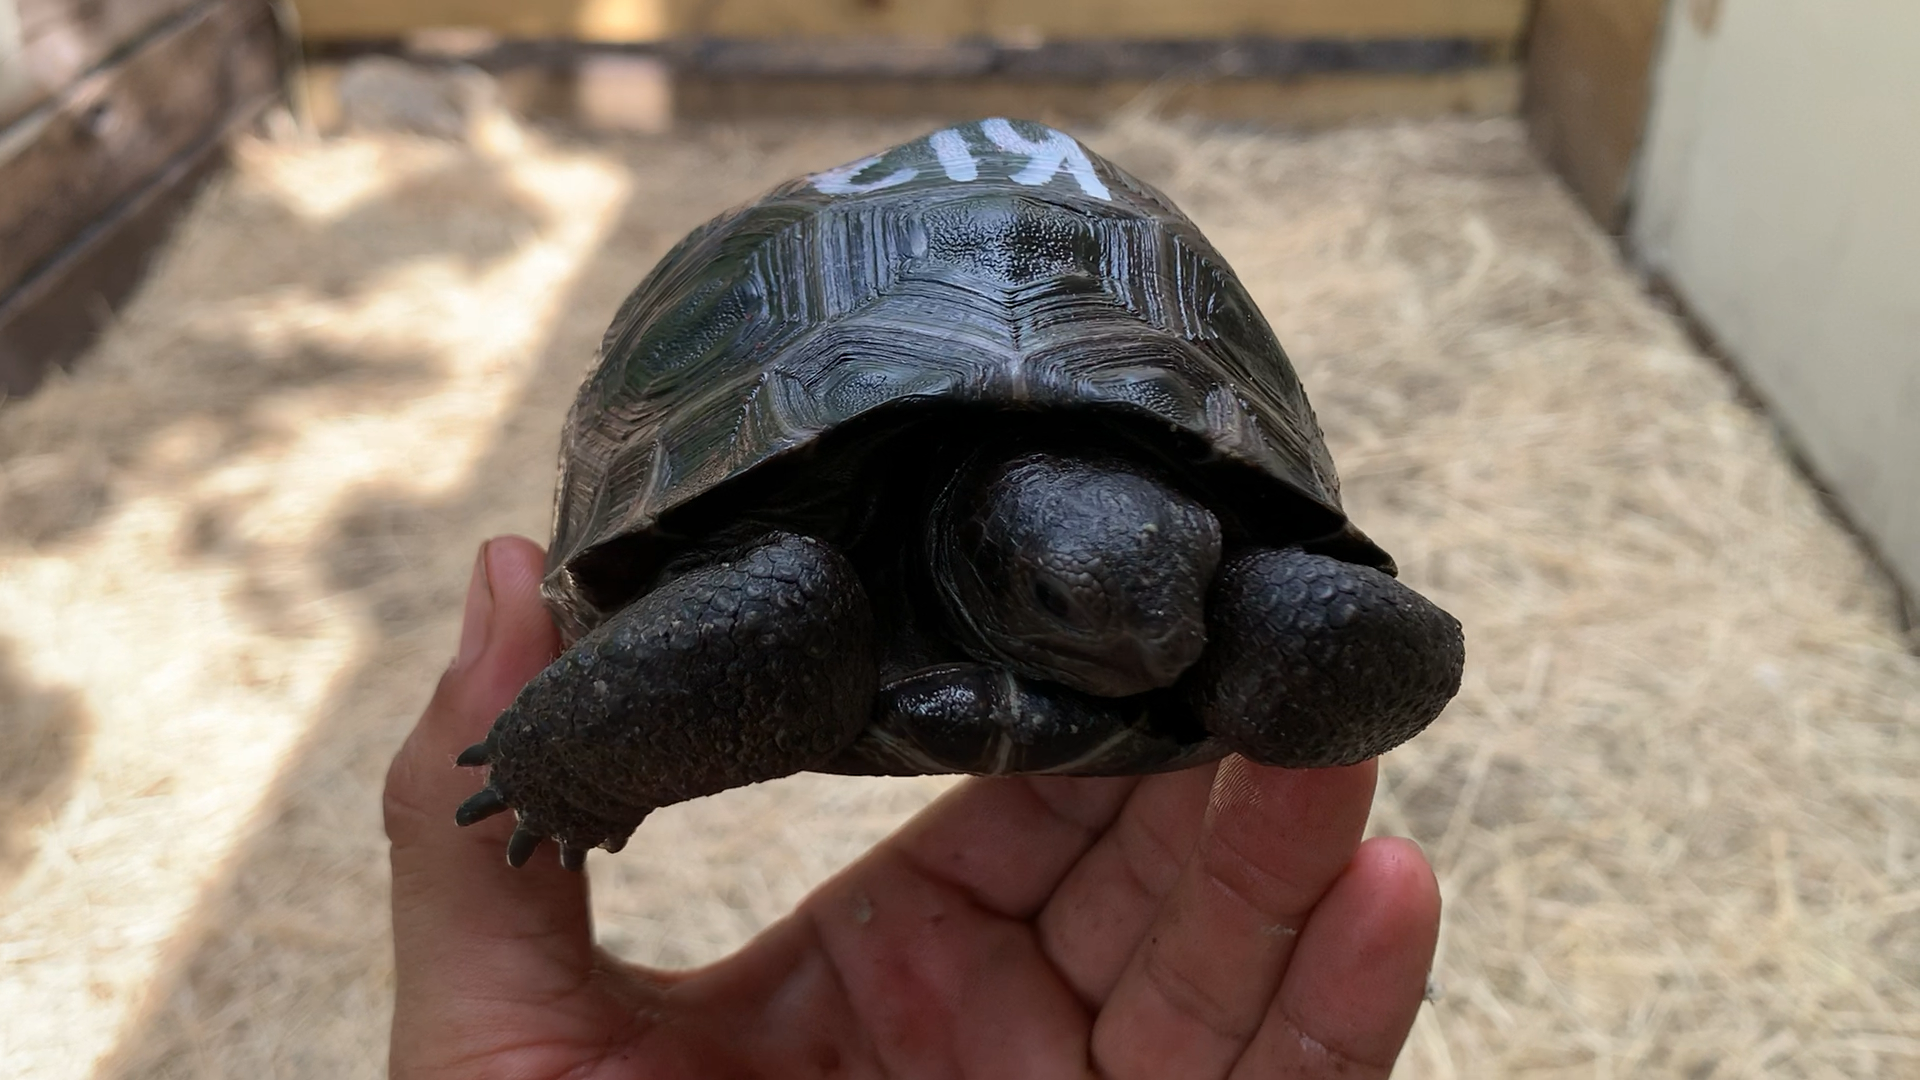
[(1588, 84), (927, 20), (111, 112), (1274, 61)]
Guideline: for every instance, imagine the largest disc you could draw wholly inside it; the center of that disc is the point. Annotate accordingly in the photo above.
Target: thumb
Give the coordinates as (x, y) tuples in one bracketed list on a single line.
[(473, 937)]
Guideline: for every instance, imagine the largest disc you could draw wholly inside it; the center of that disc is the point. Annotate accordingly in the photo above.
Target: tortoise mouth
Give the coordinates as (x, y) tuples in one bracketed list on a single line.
[(1131, 666)]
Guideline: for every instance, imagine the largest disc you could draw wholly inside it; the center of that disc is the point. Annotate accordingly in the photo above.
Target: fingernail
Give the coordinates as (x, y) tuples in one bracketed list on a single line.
[(479, 613)]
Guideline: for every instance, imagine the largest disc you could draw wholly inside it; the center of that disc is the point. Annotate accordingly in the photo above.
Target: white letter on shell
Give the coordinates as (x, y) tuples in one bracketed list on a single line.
[(1044, 159), (840, 181), (951, 149)]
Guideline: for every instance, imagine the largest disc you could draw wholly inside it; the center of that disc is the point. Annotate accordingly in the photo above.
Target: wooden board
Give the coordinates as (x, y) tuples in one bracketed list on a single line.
[(54, 42), (1306, 101), (54, 318), (1083, 60), (1589, 66), (1006, 20), (105, 138)]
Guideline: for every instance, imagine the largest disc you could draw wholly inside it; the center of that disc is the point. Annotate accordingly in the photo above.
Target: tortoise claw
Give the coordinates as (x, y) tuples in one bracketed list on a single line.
[(521, 845), (573, 858), (472, 756), (482, 805), (613, 844)]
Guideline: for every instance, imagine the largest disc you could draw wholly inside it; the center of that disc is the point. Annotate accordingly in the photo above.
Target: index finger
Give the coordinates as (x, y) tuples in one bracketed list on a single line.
[(470, 933)]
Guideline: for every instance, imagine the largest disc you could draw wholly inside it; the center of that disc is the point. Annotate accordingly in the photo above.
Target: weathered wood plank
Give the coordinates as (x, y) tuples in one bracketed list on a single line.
[(1210, 58), (1308, 101), (1234, 18), (1589, 66), (939, 20), (54, 42), (108, 135), (54, 317)]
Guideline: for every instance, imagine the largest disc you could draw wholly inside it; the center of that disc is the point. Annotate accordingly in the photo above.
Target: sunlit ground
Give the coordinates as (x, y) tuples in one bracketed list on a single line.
[(1673, 809)]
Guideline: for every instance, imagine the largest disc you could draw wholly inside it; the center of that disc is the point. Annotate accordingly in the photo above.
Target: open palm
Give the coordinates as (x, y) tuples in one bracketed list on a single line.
[(1218, 922)]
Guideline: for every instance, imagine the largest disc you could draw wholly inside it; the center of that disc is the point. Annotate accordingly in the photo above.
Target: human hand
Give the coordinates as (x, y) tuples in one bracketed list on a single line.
[(1217, 922)]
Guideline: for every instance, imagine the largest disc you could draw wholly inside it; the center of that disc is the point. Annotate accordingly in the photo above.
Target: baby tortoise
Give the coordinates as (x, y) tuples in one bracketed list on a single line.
[(971, 456)]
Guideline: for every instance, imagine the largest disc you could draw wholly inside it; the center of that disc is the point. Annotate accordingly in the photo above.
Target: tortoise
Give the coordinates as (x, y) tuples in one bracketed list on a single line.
[(972, 456)]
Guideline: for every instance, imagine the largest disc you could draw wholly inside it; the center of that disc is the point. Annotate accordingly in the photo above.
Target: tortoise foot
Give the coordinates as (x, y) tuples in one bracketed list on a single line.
[(529, 833), (1315, 662), (754, 666)]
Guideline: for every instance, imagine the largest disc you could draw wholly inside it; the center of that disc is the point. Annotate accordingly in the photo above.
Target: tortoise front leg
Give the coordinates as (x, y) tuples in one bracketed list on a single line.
[(1312, 662), (755, 666)]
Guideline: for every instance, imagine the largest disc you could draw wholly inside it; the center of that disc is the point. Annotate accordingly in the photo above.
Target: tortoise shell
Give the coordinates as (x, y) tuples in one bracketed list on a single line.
[(993, 270)]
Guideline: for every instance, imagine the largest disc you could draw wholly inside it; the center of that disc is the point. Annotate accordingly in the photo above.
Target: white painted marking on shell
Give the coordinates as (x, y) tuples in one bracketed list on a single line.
[(1045, 158), (955, 160), (841, 181)]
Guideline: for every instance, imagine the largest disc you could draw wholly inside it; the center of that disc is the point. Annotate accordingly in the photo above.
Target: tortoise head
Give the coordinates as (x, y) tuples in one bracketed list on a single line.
[(1090, 572)]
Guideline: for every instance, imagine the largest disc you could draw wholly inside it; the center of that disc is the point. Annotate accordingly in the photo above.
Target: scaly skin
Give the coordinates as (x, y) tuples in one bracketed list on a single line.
[(1315, 662), (1311, 662), (1085, 572), (987, 720), (762, 664), (756, 666)]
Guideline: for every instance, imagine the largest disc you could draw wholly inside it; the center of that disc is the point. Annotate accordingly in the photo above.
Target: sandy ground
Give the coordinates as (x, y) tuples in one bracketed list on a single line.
[(1674, 808)]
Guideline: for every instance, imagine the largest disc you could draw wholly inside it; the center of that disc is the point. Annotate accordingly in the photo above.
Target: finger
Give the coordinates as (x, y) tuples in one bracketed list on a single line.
[(1358, 973), (918, 956), (1095, 920), (1007, 843), (927, 936), (941, 984), (471, 934), (1195, 993)]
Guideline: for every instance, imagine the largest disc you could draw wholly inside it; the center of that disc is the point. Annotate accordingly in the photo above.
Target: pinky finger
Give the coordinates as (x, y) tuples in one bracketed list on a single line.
[(1359, 973)]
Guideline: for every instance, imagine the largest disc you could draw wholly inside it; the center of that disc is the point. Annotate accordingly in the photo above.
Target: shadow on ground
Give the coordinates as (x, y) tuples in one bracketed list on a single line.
[(285, 965), (44, 731), (284, 940), (48, 497)]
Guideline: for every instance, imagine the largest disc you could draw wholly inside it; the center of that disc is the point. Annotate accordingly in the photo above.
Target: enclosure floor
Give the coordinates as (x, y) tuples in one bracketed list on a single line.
[(1674, 809)]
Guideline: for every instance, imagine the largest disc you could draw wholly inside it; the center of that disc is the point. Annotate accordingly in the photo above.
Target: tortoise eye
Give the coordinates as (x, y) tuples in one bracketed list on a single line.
[(1053, 598)]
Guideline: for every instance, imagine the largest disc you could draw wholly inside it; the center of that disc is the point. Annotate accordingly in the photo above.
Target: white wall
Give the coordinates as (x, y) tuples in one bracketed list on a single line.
[(1779, 190)]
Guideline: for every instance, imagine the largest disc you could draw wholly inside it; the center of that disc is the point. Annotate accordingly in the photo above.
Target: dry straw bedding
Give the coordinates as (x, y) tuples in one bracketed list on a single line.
[(1673, 810)]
